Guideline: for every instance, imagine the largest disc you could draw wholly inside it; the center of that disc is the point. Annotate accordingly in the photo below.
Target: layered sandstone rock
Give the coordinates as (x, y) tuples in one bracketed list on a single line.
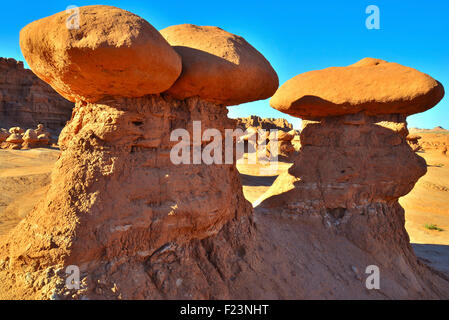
[(44, 137), (264, 123), (261, 130), (18, 138), (25, 100), (436, 139), (17, 130), (280, 143), (30, 139), (117, 206), (354, 164), (14, 139), (413, 141), (137, 225)]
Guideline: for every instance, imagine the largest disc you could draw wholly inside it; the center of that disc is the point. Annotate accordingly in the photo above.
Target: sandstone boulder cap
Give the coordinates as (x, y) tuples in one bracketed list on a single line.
[(14, 138), (372, 86), (219, 67), (113, 53)]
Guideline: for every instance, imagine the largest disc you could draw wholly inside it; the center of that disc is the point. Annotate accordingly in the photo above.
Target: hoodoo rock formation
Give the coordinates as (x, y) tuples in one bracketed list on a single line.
[(14, 140), (17, 138), (139, 226), (354, 162), (136, 225), (26, 101), (264, 123), (412, 140)]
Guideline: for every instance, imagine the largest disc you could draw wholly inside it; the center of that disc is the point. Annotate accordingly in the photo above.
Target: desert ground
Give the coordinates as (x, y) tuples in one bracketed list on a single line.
[(25, 176)]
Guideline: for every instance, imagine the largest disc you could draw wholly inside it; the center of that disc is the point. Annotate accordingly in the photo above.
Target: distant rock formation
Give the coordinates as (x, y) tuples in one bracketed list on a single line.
[(413, 141), (258, 131), (17, 138), (436, 139), (139, 226), (264, 123), (208, 51), (26, 101), (282, 141)]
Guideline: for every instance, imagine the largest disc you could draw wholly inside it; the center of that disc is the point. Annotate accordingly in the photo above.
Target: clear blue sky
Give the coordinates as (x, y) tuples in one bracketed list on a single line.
[(295, 36)]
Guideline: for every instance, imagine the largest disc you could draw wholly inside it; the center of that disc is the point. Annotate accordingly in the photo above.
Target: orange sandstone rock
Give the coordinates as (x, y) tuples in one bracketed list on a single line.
[(4, 134), (30, 139), (354, 162), (113, 53), (371, 85), (219, 66), (118, 207)]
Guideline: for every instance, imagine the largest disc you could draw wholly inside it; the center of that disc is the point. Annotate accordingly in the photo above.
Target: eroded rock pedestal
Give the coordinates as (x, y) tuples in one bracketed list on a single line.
[(351, 170), (351, 161), (353, 165), (135, 224), (344, 186)]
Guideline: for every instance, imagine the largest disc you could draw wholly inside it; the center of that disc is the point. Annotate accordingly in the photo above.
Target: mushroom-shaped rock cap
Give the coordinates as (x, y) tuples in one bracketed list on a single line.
[(370, 85), (219, 66), (113, 53)]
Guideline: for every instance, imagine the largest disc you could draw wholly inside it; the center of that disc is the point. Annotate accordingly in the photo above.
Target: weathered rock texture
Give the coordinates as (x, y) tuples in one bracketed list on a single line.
[(262, 128), (350, 161), (25, 100), (118, 208), (280, 143), (219, 66), (352, 168), (17, 138), (413, 141), (137, 225), (140, 227), (436, 139), (264, 123), (372, 86), (113, 53)]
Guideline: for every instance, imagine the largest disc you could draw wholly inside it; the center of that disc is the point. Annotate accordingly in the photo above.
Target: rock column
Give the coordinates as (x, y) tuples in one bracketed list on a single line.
[(136, 225)]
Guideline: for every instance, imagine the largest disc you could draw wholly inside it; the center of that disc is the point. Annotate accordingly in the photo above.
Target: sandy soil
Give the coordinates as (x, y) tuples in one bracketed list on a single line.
[(24, 177), (428, 202)]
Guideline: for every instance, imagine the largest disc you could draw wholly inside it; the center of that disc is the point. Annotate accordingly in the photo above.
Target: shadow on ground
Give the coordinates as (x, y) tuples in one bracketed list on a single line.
[(255, 181), (434, 255)]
